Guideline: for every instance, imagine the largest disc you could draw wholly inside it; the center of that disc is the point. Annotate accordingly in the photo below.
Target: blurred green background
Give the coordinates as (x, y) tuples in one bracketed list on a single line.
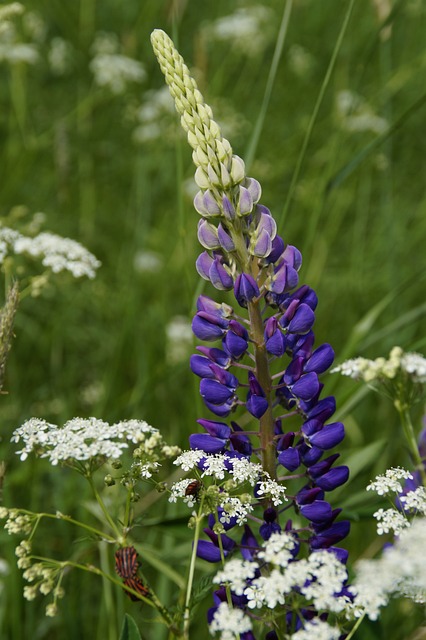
[(97, 148)]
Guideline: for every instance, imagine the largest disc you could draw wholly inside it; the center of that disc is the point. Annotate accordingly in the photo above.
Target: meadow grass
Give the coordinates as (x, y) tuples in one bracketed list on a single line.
[(356, 210)]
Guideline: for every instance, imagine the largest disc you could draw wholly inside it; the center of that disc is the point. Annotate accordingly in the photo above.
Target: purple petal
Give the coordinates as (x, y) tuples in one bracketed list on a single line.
[(225, 239), (318, 511), (216, 429), (219, 277), (290, 458), (321, 359), (204, 329), (234, 345), (277, 249), (333, 478), (330, 536), (306, 387), (228, 209), (216, 355), (207, 443), (203, 264), (201, 366), (245, 202), (208, 235), (302, 320), (256, 405), (254, 188), (324, 409), (207, 551), (220, 410), (263, 245), (329, 436), (214, 392), (245, 289)]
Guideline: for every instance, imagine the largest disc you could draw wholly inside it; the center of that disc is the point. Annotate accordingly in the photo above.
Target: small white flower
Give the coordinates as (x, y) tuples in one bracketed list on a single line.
[(235, 573), (415, 500), (80, 439), (317, 630), (231, 623), (390, 520), (390, 481), (188, 460), (271, 489), (114, 71)]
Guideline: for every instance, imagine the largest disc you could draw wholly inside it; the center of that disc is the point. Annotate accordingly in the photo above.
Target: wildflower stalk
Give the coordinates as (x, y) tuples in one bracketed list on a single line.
[(104, 509), (268, 456), (407, 425), (191, 572)]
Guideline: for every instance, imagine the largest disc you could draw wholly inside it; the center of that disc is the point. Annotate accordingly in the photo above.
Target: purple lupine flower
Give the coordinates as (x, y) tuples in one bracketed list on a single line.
[(243, 253)]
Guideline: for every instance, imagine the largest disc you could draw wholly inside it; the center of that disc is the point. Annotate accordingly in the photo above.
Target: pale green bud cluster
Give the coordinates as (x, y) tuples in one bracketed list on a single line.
[(204, 135)]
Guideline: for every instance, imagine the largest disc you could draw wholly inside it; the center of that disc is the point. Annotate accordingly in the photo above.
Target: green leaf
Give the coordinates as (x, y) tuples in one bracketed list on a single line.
[(364, 457), (129, 630)]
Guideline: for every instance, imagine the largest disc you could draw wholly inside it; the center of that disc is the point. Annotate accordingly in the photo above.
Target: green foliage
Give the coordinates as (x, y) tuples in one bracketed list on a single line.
[(130, 630)]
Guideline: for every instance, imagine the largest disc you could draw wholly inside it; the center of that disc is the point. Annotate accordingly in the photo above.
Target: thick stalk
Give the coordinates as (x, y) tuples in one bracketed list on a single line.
[(260, 355), (264, 377)]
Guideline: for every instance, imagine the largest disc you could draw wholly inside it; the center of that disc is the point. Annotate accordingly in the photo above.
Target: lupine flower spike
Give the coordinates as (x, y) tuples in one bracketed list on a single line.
[(272, 344)]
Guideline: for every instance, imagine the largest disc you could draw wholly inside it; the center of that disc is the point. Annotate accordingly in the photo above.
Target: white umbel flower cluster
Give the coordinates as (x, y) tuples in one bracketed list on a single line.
[(80, 439), (267, 580), (390, 481), (112, 70), (382, 369), (55, 252), (400, 571), (230, 623)]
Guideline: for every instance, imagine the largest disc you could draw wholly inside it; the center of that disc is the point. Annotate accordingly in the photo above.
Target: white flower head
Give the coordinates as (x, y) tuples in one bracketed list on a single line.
[(230, 623), (390, 481), (79, 439)]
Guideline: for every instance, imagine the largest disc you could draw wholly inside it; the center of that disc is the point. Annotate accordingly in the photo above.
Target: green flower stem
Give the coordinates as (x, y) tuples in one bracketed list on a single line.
[(100, 502), (355, 627), (61, 516), (410, 436), (264, 377), (191, 572), (260, 356)]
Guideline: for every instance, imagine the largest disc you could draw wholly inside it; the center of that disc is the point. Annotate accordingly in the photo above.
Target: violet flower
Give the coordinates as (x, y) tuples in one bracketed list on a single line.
[(265, 363)]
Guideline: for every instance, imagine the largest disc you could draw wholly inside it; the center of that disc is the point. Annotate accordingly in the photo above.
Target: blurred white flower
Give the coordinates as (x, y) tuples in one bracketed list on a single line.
[(10, 10), (55, 252), (59, 56), (400, 571), (157, 107), (111, 69), (145, 261), (300, 60), (34, 26), (12, 50), (355, 114), (247, 30), (179, 339)]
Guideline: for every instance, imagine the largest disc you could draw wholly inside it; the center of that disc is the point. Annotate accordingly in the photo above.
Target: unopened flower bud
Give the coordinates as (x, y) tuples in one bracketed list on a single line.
[(109, 481)]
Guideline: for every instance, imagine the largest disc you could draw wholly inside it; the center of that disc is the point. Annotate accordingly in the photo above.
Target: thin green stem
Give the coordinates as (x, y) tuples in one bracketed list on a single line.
[(61, 516), (315, 112), (410, 436), (355, 627), (104, 510), (191, 571)]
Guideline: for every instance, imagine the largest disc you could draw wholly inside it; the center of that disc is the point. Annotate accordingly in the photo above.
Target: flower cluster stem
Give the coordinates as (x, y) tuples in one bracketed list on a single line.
[(191, 572)]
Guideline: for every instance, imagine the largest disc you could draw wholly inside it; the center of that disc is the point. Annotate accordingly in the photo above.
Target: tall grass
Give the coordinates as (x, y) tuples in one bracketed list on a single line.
[(357, 213)]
